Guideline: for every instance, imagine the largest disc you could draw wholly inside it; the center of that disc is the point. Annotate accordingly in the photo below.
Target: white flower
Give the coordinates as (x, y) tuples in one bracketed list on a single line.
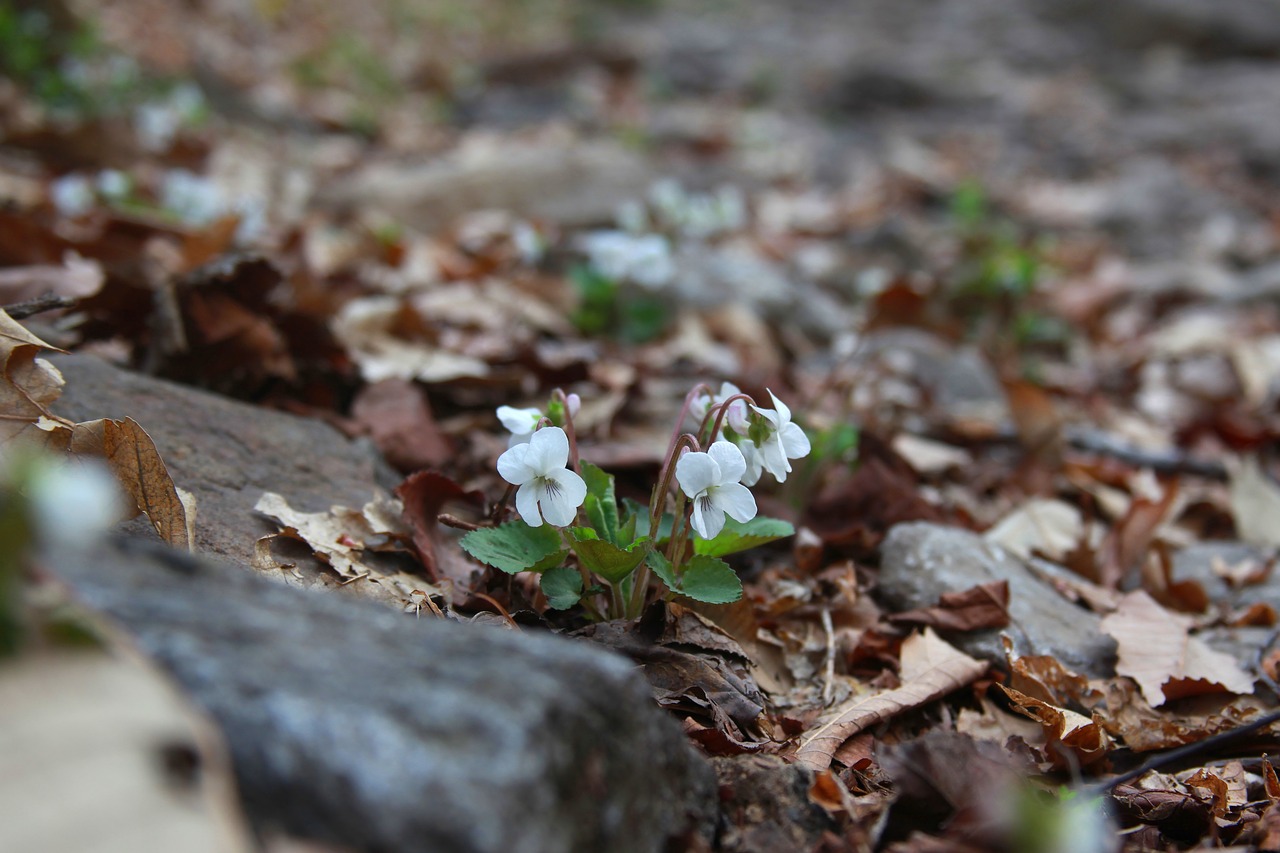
[(519, 422), (548, 490), (784, 440), (711, 480), (755, 462), (737, 415), (645, 258), (73, 502)]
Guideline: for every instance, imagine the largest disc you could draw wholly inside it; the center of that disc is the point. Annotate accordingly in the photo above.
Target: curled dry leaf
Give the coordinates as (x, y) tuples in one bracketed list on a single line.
[(1072, 740), (1157, 651), (931, 668), (340, 535), (134, 460), (973, 609), (30, 385)]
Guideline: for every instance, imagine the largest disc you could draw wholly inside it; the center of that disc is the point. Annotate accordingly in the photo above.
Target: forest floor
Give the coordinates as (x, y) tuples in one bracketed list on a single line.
[(1015, 271)]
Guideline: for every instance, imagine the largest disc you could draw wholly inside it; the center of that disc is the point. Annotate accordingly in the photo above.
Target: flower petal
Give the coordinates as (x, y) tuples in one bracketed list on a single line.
[(774, 459), (730, 460), (736, 500), (518, 421), (560, 502), (795, 444), (755, 464), (549, 450), (707, 518), (514, 467), (696, 472), (527, 504), (784, 414)]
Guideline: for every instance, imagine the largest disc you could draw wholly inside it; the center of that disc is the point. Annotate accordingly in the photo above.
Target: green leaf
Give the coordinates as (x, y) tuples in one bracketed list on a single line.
[(710, 580), (627, 532), (601, 503), (549, 562), (562, 586), (641, 513), (512, 547), (606, 559), (662, 567), (741, 536)]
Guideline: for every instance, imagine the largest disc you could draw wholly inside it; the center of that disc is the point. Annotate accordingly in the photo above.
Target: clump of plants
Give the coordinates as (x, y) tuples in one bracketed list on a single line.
[(612, 556)]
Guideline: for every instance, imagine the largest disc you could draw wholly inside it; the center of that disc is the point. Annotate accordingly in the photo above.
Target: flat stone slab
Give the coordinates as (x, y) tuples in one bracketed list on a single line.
[(921, 561), (352, 724)]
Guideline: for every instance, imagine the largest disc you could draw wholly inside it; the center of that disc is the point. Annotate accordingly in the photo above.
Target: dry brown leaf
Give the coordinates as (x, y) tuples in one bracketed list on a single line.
[(136, 464), (82, 746), (1041, 525), (1255, 503), (340, 535), (75, 278), (1131, 537), (30, 385), (1072, 739), (1157, 651), (973, 609), (931, 668)]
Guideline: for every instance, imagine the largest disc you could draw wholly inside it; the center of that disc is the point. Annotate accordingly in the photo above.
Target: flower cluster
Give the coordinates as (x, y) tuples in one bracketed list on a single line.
[(614, 546), (767, 437)]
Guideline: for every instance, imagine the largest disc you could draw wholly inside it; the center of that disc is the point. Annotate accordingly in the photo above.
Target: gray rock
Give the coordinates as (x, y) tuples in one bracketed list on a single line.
[(1196, 563), (353, 725), (225, 452), (921, 561)]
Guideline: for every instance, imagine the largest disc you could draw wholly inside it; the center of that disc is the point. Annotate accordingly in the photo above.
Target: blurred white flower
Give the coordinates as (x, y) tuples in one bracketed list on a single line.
[(72, 195), (645, 259), (736, 417), (72, 503)]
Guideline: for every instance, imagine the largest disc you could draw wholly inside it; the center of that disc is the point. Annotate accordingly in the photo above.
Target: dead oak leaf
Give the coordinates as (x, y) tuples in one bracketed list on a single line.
[(973, 609), (29, 385), (1157, 651), (1072, 739), (340, 535), (930, 669)]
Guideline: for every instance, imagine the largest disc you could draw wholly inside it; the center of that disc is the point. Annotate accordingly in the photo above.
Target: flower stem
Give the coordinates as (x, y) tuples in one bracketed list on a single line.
[(658, 501), (559, 395), (720, 412)]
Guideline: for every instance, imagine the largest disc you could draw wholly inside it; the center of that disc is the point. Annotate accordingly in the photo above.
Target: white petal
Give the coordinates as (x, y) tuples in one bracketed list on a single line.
[(769, 415), (518, 421), (794, 442), (775, 460), (730, 460), (784, 414), (549, 450), (696, 472), (514, 467), (708, 523), (561, 507), (755, 465), (527, 504), (737, 500)]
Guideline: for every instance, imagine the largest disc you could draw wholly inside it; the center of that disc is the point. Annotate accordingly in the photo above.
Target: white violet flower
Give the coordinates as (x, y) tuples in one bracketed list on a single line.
[(519, 422), (783, 440), (711, 481), (755, 462), (736, 417), (548, 490)]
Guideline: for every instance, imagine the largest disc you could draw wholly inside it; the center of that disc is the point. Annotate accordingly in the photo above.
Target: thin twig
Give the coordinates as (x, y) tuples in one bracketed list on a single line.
[(47, 302), (1181, 754)]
